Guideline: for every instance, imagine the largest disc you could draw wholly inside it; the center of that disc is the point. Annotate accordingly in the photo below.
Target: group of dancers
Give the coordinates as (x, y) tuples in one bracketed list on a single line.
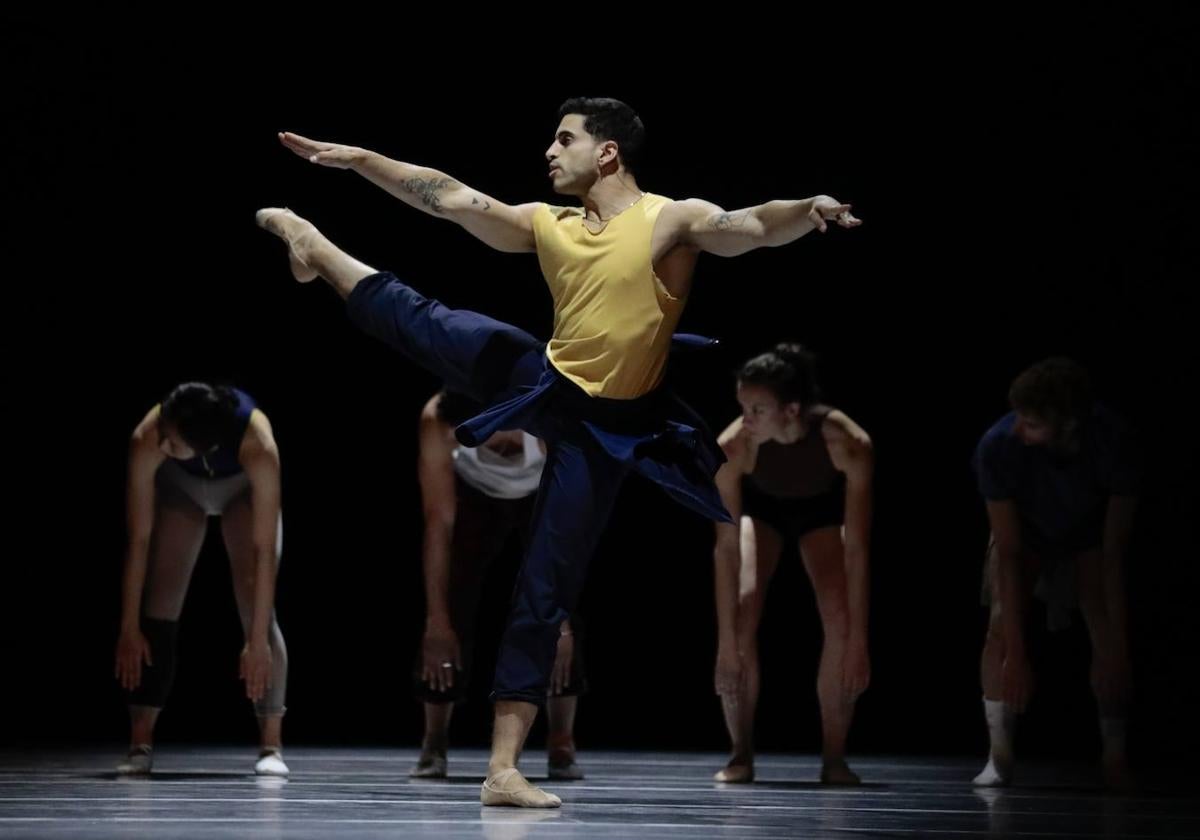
[(535, 438)]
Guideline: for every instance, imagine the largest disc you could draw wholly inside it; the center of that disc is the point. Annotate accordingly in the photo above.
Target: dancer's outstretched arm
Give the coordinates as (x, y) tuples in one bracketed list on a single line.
[(707, 227), (504, 227)]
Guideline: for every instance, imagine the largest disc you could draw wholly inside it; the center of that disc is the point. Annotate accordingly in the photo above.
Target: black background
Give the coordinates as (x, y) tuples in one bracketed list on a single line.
[(1028, 187)]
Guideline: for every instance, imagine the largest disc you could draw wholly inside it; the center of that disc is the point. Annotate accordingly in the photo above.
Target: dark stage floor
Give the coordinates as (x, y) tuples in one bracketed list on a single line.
[(210, 792)]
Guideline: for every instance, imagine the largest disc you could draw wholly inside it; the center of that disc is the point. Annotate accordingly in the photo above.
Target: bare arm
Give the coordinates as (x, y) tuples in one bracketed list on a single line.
[(1006, 530), (707, 227), (501, 226), (259, 456), (564, 655), (727, 553), (851, 452), (435, 473), (727, 559), (144, 460)]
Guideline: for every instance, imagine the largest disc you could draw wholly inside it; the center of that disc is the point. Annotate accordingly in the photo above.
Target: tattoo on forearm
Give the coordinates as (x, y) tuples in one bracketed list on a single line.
[(429, 190), (728, 221), (487, 205)]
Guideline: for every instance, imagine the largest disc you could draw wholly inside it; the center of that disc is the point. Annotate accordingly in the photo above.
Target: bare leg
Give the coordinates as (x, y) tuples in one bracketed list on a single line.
[(824, 559), (270, 728), (760, 549), (432, 762), (311, 254), (505, 785), (1000, 718), (142, 720), (560, 739), (512, 723)]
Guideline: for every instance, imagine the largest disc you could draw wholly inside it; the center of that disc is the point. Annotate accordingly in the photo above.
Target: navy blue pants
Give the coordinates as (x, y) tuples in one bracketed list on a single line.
[(492, 361), (483, 526), (592, 443)]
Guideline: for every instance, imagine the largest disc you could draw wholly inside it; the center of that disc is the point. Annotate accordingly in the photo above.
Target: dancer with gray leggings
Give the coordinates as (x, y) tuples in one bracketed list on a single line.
[(204, 451)]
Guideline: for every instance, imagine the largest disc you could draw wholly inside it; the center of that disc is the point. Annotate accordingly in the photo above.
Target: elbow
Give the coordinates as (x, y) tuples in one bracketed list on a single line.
[(451, 202), (761, 233)]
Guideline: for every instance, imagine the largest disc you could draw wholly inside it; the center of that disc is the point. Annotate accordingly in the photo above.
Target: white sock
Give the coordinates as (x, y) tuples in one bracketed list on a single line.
[(1000, 722)]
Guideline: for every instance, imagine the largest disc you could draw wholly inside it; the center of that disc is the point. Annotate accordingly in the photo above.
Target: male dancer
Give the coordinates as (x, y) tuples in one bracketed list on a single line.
[(619, 269)]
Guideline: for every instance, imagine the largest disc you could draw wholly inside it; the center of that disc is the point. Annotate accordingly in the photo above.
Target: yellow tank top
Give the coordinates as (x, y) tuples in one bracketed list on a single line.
[(613, 318)]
